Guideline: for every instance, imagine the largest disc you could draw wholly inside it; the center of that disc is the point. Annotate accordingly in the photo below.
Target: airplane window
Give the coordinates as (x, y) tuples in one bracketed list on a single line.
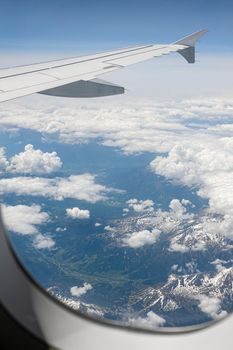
[(123, 211)]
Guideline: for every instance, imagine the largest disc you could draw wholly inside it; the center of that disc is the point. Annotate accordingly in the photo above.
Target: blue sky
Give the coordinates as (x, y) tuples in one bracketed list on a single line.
[(74, 25)]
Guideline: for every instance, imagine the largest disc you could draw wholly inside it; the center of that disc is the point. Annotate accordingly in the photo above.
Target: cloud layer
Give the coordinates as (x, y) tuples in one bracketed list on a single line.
[(194, 136)]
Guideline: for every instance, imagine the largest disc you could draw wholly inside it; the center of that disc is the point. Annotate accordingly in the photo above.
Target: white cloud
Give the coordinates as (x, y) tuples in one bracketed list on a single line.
[(175, 267), (194, 136), (211, 306), (219, 265), (76, 213), (151, 321), (222, 226), (43, 242), (81, 187), (109, 228), (79, 291), (187, 232), (141, 238), (186, 202), (97, 224), (140, 205), (23, 219), (208, 167), (168, 221), (3, 159), (33, 161), (61, 229), (176, 247)]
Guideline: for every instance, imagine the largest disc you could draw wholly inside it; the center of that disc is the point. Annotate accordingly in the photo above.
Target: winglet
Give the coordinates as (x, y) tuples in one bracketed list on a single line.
[(189, 52), (191, 40)]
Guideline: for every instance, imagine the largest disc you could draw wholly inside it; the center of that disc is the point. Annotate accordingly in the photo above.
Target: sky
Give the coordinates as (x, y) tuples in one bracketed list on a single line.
[(74, 25)]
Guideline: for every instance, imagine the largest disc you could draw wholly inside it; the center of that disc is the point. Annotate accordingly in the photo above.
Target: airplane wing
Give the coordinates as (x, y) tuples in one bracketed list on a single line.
[(77, 77)]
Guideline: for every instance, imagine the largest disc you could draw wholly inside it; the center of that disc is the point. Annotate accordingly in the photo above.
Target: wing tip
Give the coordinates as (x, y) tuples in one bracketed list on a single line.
[(191, 40)]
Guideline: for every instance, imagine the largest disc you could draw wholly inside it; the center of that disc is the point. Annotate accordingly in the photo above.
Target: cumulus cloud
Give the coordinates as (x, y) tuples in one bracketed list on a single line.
[(140, 205), (211, 306), (43, 242), (23, 219), (33, 161), (168, 221), (141, 238), (177, 247), (76, 213), (79, 291), (206, 167), (151, 321), (81, 187)]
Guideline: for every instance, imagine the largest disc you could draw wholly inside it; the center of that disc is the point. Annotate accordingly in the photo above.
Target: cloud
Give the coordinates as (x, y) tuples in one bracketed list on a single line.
[(211, 306), (42, 242), (76, 213), (184, 231), (33, 161), (141, 238), (219, 264), (79, 291), (208, 167), (191, 139), (140, 205), (146, 127), (151, 321), (23, 219), (109, 228), (176, 247), (80, 187), (61, 229), (168, 221), (3, 160), (220, 226)]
